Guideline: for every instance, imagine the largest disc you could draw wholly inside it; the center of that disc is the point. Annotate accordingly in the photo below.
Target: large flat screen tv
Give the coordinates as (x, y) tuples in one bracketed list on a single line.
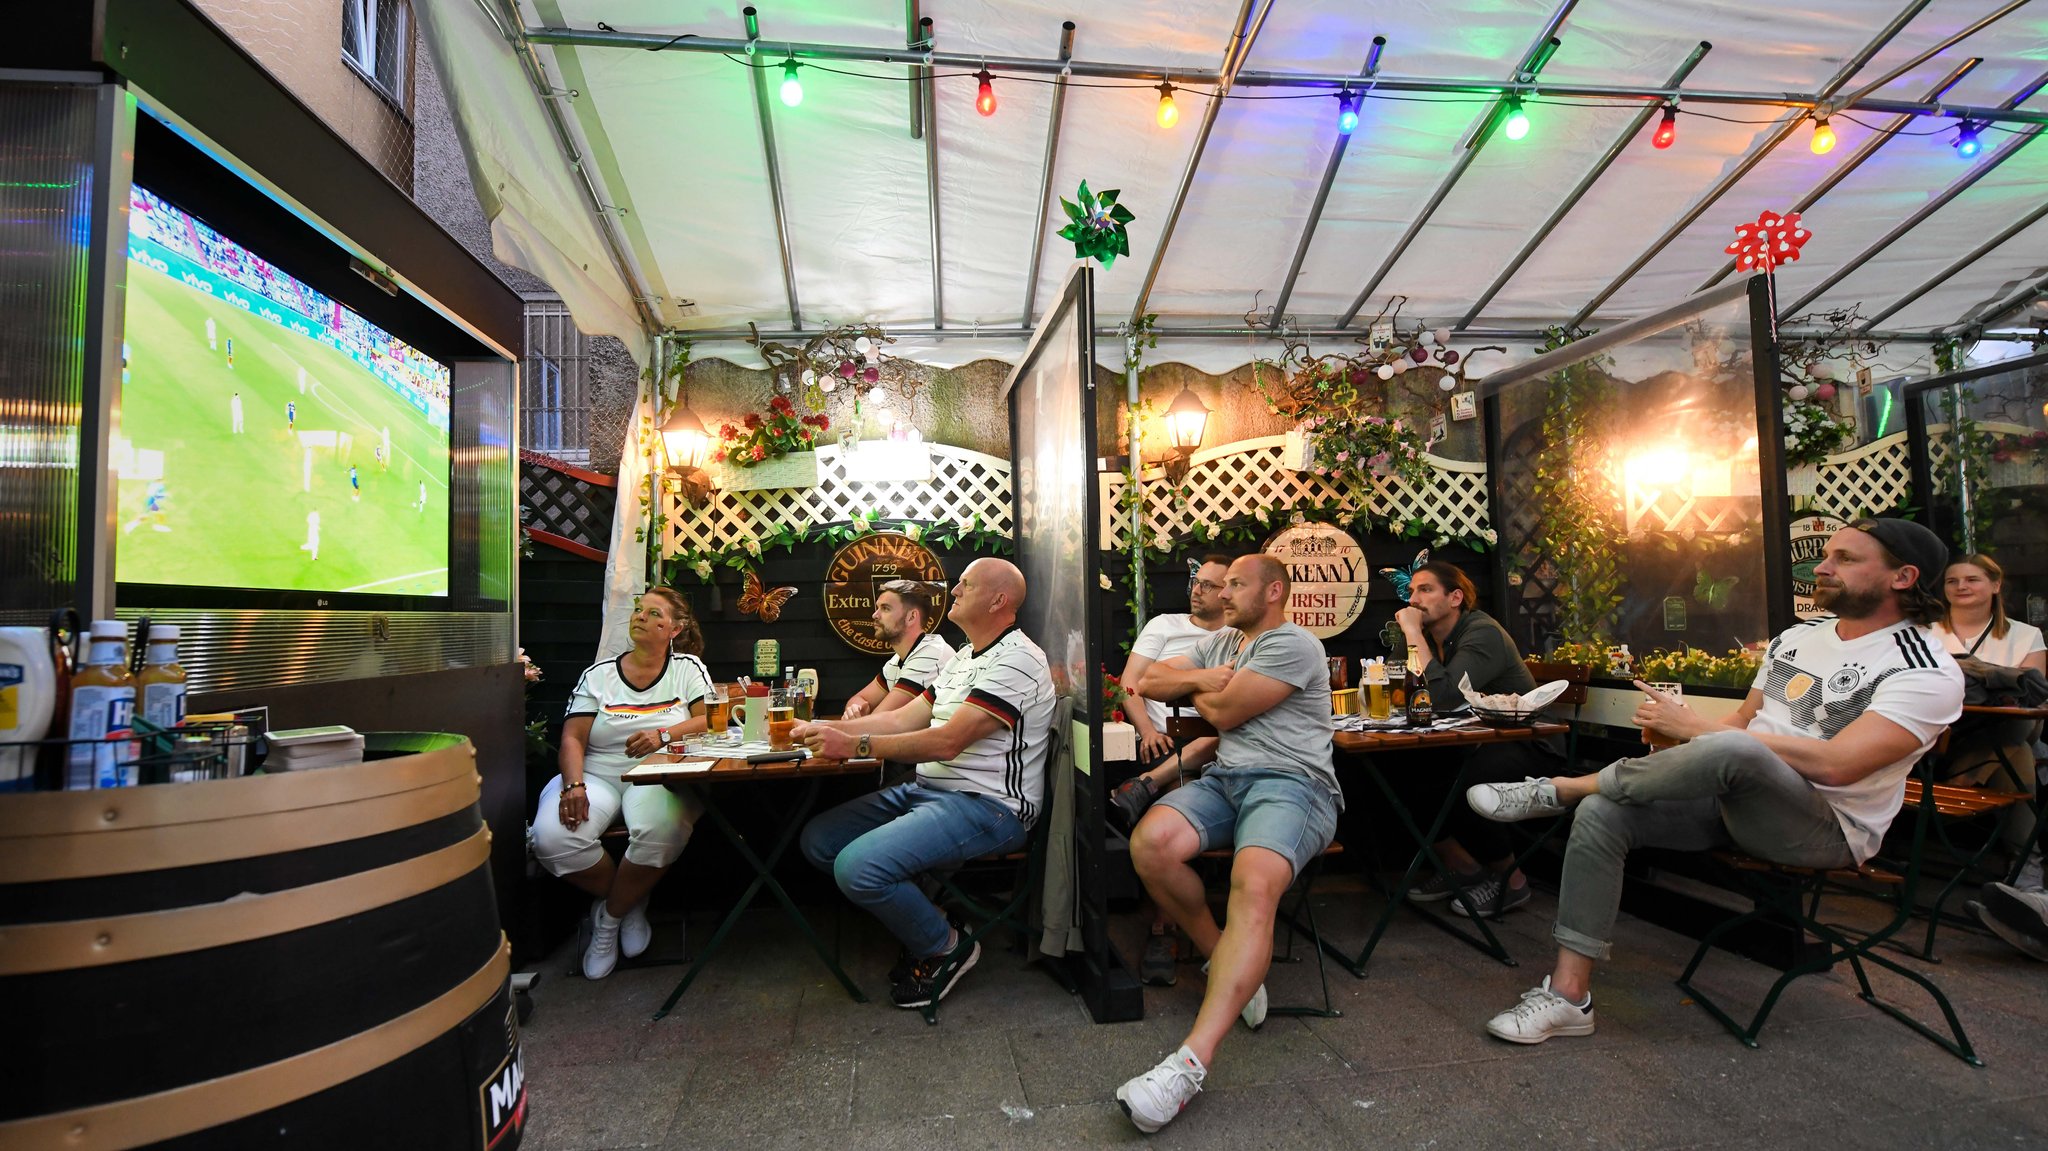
[(270, 437)]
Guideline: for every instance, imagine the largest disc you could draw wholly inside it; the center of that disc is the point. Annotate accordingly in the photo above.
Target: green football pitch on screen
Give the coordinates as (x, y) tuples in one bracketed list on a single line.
[(234, 467)]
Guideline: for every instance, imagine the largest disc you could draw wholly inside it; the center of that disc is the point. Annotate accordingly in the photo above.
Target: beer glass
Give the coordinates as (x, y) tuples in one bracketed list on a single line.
[(781, 718), (718, 713)]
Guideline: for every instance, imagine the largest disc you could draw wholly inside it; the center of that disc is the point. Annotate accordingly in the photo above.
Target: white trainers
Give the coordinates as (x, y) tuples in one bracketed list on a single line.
[(1154, 1098), (1509, 802), (1541, 1014), (635, 933), (601, 954), (1254, 1013)]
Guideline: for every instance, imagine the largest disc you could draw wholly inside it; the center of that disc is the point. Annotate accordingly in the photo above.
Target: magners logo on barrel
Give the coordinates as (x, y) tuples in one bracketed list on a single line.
[(1329, 573), (1809, 546), (858, 571)]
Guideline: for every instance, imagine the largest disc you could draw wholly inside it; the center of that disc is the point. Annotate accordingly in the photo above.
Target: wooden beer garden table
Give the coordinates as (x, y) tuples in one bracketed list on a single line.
[(812, 772), (1361, 747)]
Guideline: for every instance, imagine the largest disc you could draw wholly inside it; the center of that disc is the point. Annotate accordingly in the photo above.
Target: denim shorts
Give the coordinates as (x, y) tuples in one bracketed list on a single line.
[(1282, 811)]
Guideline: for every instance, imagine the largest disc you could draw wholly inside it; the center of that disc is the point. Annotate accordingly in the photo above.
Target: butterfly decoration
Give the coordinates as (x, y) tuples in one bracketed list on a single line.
[(1712, 592), (764, 602), (1399, 577)]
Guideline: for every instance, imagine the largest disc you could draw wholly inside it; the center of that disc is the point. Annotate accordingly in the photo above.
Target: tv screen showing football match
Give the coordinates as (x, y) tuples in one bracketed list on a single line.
[(269, 436)]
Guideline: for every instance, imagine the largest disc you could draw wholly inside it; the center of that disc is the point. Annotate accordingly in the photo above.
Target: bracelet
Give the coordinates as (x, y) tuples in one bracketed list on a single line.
[(569, 787)]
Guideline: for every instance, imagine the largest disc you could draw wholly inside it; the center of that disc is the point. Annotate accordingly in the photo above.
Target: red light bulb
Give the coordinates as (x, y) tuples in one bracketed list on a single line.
[(985, 97), (1667, 131)]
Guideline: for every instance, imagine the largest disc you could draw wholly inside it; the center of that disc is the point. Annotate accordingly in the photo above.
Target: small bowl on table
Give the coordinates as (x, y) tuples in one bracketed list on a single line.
[(1507, 719)]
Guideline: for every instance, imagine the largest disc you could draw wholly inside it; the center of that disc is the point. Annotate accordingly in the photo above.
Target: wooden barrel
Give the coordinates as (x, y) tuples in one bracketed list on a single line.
[(310, 959)]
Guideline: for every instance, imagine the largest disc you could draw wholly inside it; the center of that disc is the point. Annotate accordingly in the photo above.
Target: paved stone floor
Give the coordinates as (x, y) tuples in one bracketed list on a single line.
[(766, 1051)]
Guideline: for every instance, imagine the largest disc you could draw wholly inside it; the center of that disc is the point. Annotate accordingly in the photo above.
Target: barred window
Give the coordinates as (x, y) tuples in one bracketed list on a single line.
[(555, 391), (376, 38)]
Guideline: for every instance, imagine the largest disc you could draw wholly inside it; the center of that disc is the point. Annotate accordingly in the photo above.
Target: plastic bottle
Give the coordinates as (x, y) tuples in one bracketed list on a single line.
[(162, 682), (28, 698), (102, 706)]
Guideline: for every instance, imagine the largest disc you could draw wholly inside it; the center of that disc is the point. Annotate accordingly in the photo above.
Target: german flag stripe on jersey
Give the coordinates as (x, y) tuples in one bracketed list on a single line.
[(994, 705), (639, 708)]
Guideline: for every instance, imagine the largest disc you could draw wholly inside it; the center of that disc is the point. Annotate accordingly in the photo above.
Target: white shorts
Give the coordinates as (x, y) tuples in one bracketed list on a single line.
[(658, 824)]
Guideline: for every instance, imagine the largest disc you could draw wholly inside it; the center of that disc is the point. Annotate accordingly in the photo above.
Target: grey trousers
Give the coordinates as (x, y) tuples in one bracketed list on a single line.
[(1720, 789)]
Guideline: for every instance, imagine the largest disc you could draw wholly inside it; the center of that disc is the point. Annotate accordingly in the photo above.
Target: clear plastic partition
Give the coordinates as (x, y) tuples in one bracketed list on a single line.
[(1980, 444), (1635, 487)]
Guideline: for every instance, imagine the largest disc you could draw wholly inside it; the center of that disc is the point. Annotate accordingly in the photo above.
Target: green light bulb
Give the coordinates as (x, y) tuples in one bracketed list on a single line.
[(1517, 125), (792, 88)]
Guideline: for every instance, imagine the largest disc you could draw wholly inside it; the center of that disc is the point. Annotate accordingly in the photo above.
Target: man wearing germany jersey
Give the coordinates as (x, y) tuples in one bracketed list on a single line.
[(978, 735), (902, 608), (1810, 771)]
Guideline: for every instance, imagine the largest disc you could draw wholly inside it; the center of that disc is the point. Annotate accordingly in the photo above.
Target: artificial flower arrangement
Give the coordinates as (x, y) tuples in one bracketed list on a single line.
[(2007, 448), (1738, 668), (1113, 696), (1813, 432), (758, 439), (1367, 447)]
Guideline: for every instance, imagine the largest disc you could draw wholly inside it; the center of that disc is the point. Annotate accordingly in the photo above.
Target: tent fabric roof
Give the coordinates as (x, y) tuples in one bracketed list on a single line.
[(671, 138)]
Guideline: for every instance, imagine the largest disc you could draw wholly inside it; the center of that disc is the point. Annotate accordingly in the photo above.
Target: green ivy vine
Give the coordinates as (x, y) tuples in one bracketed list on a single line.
[(1576, 499)]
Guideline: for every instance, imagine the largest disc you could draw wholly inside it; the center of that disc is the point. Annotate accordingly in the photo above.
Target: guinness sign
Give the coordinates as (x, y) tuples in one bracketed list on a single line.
[(1329, 574), (858, 571)]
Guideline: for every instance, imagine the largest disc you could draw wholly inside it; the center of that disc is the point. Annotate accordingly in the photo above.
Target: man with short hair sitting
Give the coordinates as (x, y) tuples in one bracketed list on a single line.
[(1810, 771), (979, 736), (1264, 684), (902, 609)]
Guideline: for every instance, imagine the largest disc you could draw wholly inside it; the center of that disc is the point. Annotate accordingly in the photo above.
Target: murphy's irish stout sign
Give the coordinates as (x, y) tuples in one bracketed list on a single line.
[(1329, 574), (860, 568)]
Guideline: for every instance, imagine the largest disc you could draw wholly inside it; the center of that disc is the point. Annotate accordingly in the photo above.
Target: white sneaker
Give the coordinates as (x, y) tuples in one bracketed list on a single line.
[(1154, 1098), (1508, 802), (635, 933), (602, 953), (1541, 1014), (1254, 1013)]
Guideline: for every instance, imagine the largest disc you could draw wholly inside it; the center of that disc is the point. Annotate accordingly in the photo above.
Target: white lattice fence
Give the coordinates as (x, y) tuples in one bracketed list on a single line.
[(1877, 477), (1239, 479), (963, 484)]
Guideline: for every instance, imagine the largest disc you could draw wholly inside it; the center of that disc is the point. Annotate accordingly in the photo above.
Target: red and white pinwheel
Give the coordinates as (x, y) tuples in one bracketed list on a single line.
[(1770, 242)]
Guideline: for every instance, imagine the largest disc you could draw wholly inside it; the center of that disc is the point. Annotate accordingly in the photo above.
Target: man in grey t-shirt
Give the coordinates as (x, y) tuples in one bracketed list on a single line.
[(1272, 792)]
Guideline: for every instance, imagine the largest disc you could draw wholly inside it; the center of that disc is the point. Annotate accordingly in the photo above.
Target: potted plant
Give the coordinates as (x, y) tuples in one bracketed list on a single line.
[(771, 452)]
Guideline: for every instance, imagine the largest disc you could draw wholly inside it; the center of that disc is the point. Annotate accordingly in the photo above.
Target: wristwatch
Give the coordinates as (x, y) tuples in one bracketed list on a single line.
[(662, 734), (863, 748)]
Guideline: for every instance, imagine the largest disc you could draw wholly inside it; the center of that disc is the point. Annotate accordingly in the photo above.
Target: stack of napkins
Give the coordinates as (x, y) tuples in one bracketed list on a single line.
[(308, 747), (1508, 704)]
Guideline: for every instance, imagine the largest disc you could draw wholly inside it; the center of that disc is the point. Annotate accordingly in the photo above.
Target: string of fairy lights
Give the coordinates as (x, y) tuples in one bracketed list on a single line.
[(1514, 122)]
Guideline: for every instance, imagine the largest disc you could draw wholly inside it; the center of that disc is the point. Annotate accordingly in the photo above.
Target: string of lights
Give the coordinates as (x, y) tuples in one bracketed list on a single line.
[(1514, 124)]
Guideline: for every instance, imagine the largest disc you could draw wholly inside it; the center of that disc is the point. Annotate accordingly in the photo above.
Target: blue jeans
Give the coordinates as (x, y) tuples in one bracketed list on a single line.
[(876, 847)]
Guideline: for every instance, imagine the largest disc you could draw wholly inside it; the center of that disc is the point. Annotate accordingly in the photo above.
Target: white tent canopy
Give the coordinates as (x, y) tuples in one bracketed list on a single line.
[(672, 147)]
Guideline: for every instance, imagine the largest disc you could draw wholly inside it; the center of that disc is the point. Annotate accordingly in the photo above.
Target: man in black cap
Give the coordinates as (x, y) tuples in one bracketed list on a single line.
[(1810, 771)]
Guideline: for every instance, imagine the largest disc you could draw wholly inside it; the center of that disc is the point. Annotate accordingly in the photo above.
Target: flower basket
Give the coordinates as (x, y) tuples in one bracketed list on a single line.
[(2024, 471), (1803, 480), (1298, 454), (795, 470)]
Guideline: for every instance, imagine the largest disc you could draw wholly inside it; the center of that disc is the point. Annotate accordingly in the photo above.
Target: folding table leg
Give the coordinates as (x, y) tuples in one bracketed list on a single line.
[(1489, 945), (764, 876)]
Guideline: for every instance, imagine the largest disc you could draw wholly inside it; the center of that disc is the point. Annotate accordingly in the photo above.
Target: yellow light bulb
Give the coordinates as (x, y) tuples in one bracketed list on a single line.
[(1168, 114), (1823, 137)]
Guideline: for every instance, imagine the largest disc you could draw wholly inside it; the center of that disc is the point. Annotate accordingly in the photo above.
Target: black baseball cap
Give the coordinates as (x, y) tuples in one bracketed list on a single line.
[(1912, 544)]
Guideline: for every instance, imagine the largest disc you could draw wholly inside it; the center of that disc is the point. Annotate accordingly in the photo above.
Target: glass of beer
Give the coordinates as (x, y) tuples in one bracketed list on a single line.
[(1657, 742), (781, 718), (718, 713), (1378, 701)]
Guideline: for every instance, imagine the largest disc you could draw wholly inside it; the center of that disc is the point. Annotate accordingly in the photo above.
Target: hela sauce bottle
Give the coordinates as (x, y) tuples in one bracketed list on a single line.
[(102, 705), (28, 696), (162, 682)]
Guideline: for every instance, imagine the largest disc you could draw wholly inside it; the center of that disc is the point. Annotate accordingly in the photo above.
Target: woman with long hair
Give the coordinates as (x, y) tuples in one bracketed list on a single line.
[(622, 711), (1975, 623)]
